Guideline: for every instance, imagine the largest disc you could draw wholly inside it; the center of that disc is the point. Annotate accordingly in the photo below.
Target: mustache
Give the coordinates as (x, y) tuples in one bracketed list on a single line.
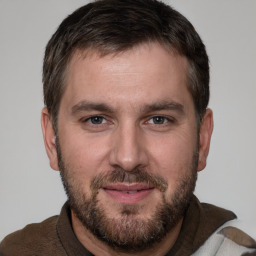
[(135, 176)]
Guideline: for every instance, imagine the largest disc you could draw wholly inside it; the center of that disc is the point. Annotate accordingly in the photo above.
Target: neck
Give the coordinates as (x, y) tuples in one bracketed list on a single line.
[(99, 248)]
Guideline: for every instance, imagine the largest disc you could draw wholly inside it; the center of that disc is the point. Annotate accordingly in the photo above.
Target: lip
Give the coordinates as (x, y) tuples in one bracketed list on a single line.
[(128, 193)]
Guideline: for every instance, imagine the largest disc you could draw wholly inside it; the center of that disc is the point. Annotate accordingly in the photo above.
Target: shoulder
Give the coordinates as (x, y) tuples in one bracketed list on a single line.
[(228, 240), (236, 238), (32, 239)]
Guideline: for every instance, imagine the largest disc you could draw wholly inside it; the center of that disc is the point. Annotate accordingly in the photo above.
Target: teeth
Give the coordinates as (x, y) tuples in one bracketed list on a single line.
[(130, 191)]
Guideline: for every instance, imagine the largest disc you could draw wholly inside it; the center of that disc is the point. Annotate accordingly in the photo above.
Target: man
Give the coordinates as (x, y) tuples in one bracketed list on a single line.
[(126, 89)]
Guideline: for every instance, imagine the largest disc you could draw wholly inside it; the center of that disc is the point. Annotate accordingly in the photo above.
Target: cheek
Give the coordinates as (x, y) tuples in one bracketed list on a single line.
[(83, 154), (172, 158)]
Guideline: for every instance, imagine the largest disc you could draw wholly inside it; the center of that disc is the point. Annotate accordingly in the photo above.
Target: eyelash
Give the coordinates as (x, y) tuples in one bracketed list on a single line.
[(165, 121), (89, 119)]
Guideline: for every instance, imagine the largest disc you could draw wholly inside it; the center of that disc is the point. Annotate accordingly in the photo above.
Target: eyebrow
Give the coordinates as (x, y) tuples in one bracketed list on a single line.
[(87, 106), (164, 105), (102, 107)]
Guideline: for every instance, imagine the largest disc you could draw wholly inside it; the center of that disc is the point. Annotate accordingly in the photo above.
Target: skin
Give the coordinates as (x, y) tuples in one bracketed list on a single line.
[(131, 84)]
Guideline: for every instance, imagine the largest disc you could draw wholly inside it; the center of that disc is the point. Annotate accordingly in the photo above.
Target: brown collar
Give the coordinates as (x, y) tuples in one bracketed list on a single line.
[(200, 221), (67, 236)]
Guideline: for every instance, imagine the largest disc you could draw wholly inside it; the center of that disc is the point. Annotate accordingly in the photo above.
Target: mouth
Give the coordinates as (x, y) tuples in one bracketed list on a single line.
[(128, 193)]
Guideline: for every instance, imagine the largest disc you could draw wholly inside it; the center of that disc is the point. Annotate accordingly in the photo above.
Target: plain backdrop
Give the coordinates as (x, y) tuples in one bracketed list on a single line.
[(30, 191)]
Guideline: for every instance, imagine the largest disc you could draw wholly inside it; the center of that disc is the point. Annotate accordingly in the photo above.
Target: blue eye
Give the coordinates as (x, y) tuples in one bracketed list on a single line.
[(97, 120), (158, 120)]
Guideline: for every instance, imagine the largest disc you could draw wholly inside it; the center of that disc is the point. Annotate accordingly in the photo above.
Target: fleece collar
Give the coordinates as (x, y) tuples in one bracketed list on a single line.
[(199, 222)]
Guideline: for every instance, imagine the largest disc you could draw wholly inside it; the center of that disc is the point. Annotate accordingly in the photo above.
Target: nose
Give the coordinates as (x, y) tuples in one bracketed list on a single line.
[(128, 150)]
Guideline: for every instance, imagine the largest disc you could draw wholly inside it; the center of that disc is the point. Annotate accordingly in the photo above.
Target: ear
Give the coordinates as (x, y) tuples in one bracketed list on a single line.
[(206, 128), (49, 139)]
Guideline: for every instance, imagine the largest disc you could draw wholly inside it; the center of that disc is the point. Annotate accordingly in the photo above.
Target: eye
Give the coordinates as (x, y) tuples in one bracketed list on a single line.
[(158, 120), (96, 123), (96, 120)]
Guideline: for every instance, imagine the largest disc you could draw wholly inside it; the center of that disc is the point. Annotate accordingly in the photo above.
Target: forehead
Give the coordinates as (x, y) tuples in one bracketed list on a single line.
[(143, 74)]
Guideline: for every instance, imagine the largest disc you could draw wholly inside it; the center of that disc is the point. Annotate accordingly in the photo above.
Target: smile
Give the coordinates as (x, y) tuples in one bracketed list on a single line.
[(128, 193)]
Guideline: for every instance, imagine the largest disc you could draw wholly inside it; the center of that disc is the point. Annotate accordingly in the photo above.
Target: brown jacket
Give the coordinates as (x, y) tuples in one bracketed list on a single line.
[(55, 236)]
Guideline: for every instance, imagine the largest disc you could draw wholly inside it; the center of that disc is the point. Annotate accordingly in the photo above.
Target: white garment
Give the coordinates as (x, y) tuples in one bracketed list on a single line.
[(220, 245)]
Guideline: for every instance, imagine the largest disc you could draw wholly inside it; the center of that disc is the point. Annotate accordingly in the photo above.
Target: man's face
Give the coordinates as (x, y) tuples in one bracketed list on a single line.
[(128, 144)]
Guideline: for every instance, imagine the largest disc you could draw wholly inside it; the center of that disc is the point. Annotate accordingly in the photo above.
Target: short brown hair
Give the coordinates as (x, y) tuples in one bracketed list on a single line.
[(112, 26)]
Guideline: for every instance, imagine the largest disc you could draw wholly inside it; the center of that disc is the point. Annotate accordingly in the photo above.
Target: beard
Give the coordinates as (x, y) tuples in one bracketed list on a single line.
[(127, 232)]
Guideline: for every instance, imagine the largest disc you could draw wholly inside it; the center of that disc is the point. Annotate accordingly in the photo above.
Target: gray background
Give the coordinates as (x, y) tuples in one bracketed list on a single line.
[(30, 191)]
